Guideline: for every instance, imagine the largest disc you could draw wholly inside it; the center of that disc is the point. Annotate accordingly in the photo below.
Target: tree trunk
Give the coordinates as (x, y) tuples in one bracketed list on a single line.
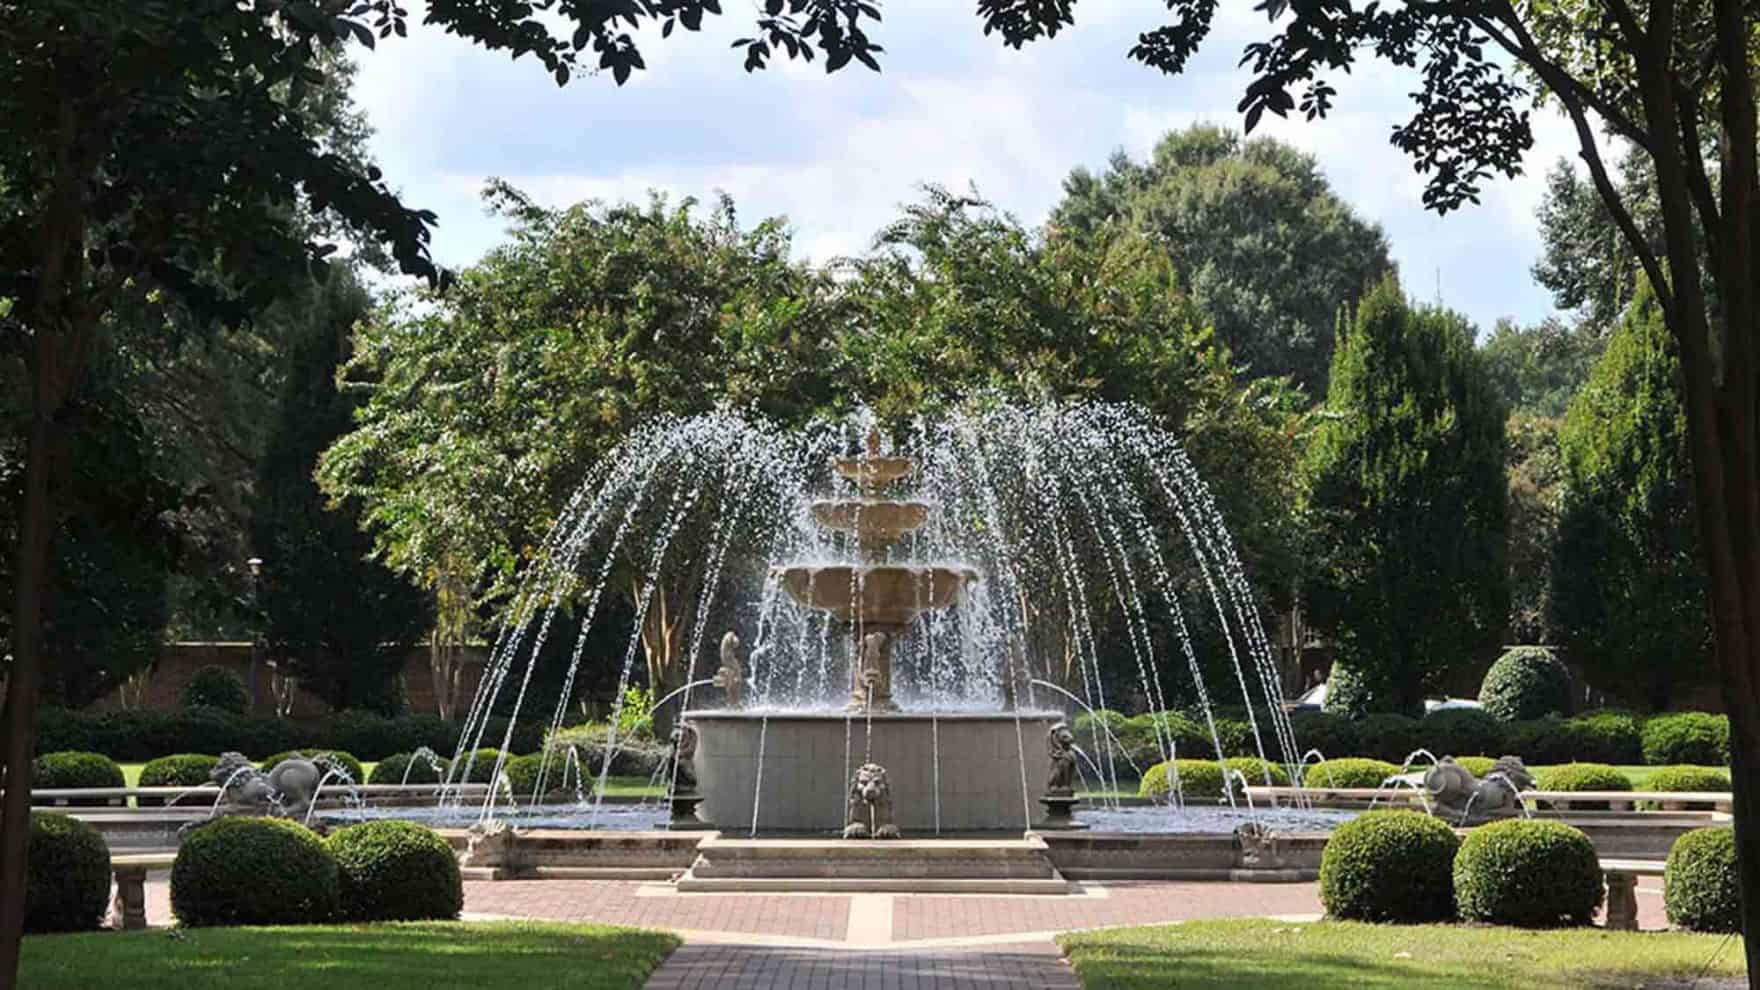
[(662, 628), (30, 574)]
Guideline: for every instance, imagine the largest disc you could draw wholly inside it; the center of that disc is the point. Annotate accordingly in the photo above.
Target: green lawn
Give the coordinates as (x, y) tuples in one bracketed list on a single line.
[(423, 956), (1273, 955)]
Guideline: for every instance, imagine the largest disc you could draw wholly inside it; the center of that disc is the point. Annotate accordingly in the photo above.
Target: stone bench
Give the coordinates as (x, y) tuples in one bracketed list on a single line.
[(131, 884), (1622, 889)]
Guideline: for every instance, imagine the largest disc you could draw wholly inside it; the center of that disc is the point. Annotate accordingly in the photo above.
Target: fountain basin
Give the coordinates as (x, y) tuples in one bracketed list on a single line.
[(875, 594), (990, 776)]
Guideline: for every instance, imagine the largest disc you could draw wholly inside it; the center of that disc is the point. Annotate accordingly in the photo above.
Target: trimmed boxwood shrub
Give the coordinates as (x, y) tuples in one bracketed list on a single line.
[(1527, 682), (176, 770), (478, 767), (1583, 777), (1701, 888), (1686, 779), (522, 774), (253, 871), (1389, 737), (76, 769), (1460, 730), (352, 766), (396, 871), (634, 757), (67, 875), (390, 770), (1527, 872), (1607, 737), (1687, 737), (1201, 779), (215, 687), (1389, 866), (1348, 772), (1332, 735)]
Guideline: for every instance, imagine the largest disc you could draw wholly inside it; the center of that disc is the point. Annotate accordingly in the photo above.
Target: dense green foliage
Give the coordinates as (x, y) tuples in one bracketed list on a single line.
[(1406, 499), (395, 871), (1687, 737), (1583, 777), (1536, 477), (67, 875), (475, 767), (1202, 779), (253, 871), (215, 687), (75, 769), (1628, 584), (1389, 737), (1686, 778), (1269, 251), (1461, 732), (1350, 694), (178, 770), (1389, 866), (1478, 766), (1608, 737), (1348, 771), (1332, 735), (1700, 886), (1527, 682), (1527, 872)]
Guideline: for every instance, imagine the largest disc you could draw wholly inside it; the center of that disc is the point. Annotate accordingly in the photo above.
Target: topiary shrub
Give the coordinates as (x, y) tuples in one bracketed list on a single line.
[(1478, 766), (396, 871), (215, 687), (1348, 772), (1583, 777), (1701, 888), (322, 757), (1607, 737), (178, 770), (522, 777), (391, 769), (1687, 737), (1202, 779), (1460, 730), (632, 758), (1389, 866), (1686, 779), (1527, 872), (1333, 735), (1527, 682), (66, 875), (253, 871), (1348, 693), (1389, 737), (75, 769)]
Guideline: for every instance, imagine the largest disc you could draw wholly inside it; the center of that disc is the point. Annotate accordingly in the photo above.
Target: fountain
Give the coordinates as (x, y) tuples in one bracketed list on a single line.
[(788, 771)]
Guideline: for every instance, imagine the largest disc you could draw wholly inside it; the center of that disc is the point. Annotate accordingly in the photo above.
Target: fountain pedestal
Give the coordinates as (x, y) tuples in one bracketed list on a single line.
[(1059, 811)]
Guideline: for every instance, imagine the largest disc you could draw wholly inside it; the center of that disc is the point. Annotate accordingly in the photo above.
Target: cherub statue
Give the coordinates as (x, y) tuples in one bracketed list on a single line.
[(1061, 742), (731, 678)]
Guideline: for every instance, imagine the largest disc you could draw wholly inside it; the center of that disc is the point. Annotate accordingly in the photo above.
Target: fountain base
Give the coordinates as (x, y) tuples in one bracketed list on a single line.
[(984, 866), (789, 772)]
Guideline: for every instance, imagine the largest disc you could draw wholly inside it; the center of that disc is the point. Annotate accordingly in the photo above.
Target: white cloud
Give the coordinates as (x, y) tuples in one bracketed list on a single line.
[(838, 155)]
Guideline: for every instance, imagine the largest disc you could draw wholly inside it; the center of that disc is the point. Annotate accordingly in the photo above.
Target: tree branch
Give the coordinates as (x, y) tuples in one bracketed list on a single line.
[(1524, 48)]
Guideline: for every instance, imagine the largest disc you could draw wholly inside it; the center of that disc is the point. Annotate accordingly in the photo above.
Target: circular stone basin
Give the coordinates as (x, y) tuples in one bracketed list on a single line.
[(874, 472), (871, 518), (876, 594)]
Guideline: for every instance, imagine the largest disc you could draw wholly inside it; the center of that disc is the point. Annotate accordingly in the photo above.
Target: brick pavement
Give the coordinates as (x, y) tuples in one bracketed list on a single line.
[(734, 967)]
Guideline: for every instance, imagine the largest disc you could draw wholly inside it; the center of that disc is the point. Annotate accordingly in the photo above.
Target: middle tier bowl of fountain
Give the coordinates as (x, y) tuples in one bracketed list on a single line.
[(876, 594)]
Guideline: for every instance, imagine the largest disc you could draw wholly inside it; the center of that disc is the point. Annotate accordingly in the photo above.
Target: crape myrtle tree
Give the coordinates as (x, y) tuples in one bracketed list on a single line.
[(1405, 505), (1628, 585)]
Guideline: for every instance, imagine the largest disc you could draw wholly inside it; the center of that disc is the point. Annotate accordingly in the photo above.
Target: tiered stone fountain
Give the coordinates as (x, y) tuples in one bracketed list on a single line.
[(791, 771)]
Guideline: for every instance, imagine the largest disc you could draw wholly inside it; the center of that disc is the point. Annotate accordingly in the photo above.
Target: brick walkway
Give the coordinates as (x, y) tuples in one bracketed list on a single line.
[(734, 967)]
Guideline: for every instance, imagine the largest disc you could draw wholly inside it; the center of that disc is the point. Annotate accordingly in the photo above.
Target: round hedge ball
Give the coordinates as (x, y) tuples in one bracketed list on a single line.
[(1527, 682), (476, 767), (396, 871), (71, 768), (1583, 777), (1688, 779), (67, 875), (1529, 873), (1389, 866), (1348, 772), (404, 768), (1701, 890), (189, 770), (326, 759), (1202, 779), (253, 871)]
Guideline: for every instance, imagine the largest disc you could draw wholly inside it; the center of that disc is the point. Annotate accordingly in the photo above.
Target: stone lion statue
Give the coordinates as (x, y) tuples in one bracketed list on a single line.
[(870, 805), (1456, 793), (1060, 742), (287, 789)]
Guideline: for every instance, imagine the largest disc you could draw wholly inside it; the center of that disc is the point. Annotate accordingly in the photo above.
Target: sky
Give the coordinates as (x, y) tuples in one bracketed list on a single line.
[(838, 155)]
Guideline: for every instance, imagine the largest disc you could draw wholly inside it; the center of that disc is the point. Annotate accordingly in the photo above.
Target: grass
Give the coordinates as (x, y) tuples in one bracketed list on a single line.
[(419, 956), (1273, 955)]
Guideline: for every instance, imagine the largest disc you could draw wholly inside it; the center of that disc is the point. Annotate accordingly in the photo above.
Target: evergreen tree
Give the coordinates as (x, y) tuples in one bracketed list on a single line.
[(1406, 498), (1628, 585), (342, 619)]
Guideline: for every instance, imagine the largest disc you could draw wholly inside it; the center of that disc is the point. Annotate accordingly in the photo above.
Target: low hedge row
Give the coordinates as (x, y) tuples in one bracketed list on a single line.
[(135, 736), (271, 871), (1611, 737)]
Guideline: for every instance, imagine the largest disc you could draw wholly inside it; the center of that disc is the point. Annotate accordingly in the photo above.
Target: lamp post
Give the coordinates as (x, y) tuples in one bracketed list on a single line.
[(256, 614)]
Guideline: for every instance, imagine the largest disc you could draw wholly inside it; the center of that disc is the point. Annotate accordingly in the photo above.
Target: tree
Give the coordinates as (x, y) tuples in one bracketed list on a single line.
[(1587, 263), (1536, 477), (1266, 250), (1537, 369), (1628, 584), (341, 620), (154, 154), (1406, 498)]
